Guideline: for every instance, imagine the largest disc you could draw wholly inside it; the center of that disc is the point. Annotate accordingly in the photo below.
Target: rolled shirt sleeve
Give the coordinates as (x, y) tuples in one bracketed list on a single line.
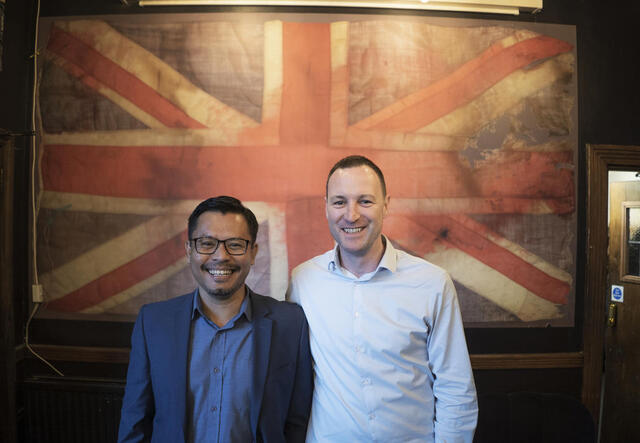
[(456, 408)]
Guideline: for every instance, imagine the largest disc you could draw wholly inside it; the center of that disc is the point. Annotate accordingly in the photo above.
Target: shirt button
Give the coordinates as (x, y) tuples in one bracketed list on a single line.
[(357, 314), (216, 370), (214, 409), (372, 416), (366, 381), (358, 348)]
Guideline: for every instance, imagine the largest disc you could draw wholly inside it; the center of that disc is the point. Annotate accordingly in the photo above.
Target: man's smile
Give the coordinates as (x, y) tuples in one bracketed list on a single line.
[(220, 272), (216, 272), (352, 230)]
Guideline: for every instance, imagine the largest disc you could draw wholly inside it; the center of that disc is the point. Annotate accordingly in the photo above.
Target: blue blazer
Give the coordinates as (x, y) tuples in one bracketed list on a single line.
[(154, 404)]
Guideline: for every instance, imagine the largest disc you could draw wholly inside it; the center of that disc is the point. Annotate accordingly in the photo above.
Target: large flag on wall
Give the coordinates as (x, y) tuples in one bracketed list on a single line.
[(472, 123)]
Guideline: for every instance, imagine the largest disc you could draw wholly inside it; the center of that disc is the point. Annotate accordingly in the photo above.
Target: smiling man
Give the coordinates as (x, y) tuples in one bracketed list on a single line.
[(390, 357), (221, 364)]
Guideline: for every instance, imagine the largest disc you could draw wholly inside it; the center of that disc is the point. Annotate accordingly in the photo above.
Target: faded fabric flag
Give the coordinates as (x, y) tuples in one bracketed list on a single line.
[(472, 122)]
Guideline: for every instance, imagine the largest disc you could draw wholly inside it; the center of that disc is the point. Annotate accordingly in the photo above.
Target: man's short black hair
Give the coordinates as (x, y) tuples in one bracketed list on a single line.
[(224, 204), (353, 161)]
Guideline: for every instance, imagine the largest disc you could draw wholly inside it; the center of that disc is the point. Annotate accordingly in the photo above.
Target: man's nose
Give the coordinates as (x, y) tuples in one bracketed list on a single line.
[(352, 212), (221, 252)]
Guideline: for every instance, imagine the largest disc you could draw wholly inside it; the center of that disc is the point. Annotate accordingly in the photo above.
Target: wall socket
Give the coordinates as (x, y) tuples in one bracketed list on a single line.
[(37, 293)]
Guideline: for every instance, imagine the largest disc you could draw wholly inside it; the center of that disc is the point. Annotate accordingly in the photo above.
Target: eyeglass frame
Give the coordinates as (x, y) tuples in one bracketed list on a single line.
[(195, 245)]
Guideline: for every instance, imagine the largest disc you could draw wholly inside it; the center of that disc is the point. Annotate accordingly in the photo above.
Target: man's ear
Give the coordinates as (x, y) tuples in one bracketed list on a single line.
[(387, 200), (326, 208), (254, 253), (187, 249)]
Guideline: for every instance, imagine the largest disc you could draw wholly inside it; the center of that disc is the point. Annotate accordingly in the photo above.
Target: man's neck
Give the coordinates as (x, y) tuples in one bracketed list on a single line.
[(360, 265), (221, 311)]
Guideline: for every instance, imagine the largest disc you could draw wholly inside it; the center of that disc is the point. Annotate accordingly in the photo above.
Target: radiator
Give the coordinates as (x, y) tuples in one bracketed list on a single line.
[(69, 411)]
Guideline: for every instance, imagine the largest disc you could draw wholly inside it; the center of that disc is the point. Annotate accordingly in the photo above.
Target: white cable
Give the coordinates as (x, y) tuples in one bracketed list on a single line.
[(33, 192), (33, 146), (28, 346)]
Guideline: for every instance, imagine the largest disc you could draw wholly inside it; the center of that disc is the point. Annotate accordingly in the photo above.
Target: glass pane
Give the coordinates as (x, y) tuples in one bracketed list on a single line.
[(633, 244)]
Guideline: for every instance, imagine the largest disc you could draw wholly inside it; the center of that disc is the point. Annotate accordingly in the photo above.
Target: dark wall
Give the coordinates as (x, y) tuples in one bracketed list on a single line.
[(15, 100), (608, 82), (15, 116)]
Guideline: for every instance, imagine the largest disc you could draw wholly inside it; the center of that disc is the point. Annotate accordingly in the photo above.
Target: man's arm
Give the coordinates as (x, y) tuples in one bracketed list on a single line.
[(138, 404), (300, 406), (456, 407)]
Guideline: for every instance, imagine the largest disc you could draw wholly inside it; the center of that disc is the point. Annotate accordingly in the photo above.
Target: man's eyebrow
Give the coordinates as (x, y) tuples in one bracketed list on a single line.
[(339, 196)]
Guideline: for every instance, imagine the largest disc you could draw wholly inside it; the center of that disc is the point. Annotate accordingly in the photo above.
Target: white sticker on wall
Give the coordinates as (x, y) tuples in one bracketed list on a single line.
[(617, 293)]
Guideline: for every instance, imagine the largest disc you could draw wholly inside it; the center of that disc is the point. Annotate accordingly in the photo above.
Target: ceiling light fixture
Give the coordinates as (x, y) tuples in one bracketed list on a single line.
[(513, 7)]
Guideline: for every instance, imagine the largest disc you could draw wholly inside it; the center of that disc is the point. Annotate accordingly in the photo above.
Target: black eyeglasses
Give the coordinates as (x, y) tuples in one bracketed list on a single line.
[(209, 245)]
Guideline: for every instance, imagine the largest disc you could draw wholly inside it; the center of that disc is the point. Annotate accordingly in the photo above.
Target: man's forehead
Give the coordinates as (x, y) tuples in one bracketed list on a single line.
[(214, 220), (353, 175)]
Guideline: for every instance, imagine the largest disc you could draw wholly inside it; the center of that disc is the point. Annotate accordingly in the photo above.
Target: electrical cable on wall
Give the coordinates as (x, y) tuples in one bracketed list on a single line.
[(37, 295)]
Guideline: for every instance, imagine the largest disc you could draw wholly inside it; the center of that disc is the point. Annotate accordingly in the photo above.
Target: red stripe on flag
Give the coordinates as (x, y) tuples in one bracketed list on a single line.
[(94, 64), (561, 206), (123, 277), (507, 263), (283, 173), (471, 80), (307, 231), (526, 174), (469, 237), (486, 205), (306, 86)]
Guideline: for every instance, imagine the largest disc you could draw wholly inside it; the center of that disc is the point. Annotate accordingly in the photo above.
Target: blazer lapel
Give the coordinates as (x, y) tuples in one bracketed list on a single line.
[(261, 347), (179, 363)]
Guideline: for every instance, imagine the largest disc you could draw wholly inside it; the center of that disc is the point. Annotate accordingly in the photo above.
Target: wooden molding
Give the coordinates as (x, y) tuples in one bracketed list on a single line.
[(527, 361), (84, 354), (478, 361)]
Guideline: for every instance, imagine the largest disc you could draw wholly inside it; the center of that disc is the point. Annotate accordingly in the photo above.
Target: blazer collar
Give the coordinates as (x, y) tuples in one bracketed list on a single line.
[(182, 331), (261, 350)]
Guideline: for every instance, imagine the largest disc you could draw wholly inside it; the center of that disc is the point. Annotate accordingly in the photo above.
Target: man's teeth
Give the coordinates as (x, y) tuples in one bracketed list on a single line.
[(352, 230), (219, 271)]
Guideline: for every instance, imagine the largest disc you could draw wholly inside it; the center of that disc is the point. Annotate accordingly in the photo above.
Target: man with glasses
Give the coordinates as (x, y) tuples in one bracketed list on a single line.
[(222, 363)]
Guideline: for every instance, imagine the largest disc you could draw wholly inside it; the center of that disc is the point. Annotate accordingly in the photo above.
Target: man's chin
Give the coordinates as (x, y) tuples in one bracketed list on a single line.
[(221, 293)]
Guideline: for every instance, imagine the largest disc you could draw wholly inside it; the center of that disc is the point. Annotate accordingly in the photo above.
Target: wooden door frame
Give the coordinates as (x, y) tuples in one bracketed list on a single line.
[(600, 160), (8, 431)]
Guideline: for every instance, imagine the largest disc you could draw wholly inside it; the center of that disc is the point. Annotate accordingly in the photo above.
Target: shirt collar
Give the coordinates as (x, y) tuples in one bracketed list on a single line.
[(389, 258), (245, 308), (388, 261)]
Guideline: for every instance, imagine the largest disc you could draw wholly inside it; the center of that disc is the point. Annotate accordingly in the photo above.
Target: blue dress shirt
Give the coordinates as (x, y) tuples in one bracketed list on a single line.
[(390, 356), (219, 377)]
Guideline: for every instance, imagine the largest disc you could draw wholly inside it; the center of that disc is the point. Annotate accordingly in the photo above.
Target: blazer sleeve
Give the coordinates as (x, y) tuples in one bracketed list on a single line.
[(300, 406), (138, 403)]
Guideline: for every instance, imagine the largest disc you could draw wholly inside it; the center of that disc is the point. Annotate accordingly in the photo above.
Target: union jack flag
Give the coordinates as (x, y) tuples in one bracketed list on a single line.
[(472, 123)]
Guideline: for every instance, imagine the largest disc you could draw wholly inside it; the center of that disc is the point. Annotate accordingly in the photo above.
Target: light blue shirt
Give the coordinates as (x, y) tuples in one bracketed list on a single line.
[(390, 357), (219, 383)]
